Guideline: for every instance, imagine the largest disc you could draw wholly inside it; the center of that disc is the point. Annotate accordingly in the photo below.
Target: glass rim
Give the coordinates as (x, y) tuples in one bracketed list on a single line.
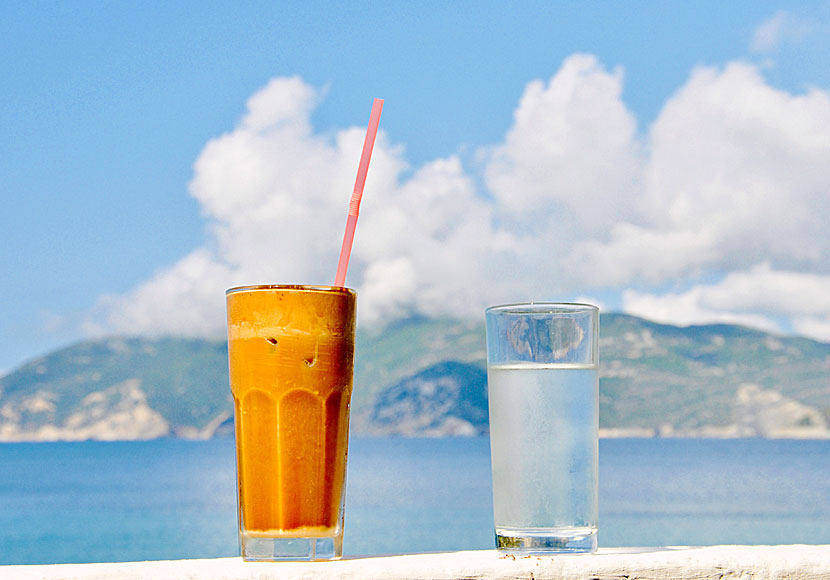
[(543, 307), (290, 288)]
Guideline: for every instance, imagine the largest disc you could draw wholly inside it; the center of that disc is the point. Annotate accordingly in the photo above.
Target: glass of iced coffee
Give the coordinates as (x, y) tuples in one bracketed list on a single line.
[(291, 353)]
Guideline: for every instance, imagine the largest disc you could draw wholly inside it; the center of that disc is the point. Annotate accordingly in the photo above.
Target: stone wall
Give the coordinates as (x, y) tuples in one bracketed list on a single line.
[(716, 562)]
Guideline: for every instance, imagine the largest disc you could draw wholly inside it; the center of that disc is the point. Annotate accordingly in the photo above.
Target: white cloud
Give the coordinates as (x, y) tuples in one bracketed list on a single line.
[(186, 299), (737, 174), (817, 327), (572, 155), (757, 297), (768, 34), (732, 174), (772, 32), (687, 308)]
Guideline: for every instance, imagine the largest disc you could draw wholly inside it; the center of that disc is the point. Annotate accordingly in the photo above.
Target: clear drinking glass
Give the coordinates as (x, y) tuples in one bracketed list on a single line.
[(291, 355), (542, 374)]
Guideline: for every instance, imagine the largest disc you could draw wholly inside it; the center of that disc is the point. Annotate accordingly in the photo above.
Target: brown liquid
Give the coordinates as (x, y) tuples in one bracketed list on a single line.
[(291, 363)]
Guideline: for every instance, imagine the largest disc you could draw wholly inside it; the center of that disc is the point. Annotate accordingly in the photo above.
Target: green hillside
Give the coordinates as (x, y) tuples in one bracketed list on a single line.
[(385, 357), (653, 376), (185, 380), (688, 377)]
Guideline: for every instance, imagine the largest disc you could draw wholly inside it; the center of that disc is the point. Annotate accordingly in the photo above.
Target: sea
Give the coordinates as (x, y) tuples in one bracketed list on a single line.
[(174, 499)]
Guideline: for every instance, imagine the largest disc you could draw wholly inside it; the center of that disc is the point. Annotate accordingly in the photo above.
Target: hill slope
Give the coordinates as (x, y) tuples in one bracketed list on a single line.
[(426, 377), (656, 375), (118, 388)]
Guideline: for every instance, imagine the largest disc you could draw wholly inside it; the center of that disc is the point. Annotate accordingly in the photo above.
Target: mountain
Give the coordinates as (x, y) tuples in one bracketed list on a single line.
[(688, 380), (119, 388), (449, 398), (422, 376), (384, 357)]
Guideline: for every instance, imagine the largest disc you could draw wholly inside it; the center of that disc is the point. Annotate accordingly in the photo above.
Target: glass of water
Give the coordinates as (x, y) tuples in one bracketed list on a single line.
[(542, 375)]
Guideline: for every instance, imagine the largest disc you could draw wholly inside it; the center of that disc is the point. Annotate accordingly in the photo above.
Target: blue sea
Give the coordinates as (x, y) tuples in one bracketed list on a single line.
[(172, 499)]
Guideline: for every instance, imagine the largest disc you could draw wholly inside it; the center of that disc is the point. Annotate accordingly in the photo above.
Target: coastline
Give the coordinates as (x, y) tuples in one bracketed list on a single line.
[(712, 432), (729, 432)]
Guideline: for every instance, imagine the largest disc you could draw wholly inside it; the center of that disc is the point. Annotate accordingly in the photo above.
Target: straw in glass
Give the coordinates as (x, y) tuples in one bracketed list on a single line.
[(357, 193)]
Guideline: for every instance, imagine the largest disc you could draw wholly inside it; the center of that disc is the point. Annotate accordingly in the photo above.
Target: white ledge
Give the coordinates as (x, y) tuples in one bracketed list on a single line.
[(795, 562)]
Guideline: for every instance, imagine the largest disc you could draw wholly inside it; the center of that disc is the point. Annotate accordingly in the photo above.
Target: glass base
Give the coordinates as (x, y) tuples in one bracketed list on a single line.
[(546, 541), (259, 549)]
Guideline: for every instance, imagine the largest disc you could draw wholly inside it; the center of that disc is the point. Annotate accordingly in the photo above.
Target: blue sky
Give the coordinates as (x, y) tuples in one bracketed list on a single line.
[(130, 200)]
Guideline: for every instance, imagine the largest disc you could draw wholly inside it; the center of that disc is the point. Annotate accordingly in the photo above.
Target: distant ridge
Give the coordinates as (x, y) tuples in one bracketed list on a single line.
[(426, 377), (118, 388), (449, 398)]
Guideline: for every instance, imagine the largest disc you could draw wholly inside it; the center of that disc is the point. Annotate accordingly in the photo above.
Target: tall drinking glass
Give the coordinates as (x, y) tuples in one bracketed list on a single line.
[(291, 353), (542, 375)]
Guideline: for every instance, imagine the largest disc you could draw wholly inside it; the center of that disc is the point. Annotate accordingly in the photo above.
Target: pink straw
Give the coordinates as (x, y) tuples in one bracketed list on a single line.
[(357, 194)]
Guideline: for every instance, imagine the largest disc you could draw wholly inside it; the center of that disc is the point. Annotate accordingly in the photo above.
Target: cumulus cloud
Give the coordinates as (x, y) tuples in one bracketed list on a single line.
[(572, 155), (759, 297), (732, 174), (736, 175)]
